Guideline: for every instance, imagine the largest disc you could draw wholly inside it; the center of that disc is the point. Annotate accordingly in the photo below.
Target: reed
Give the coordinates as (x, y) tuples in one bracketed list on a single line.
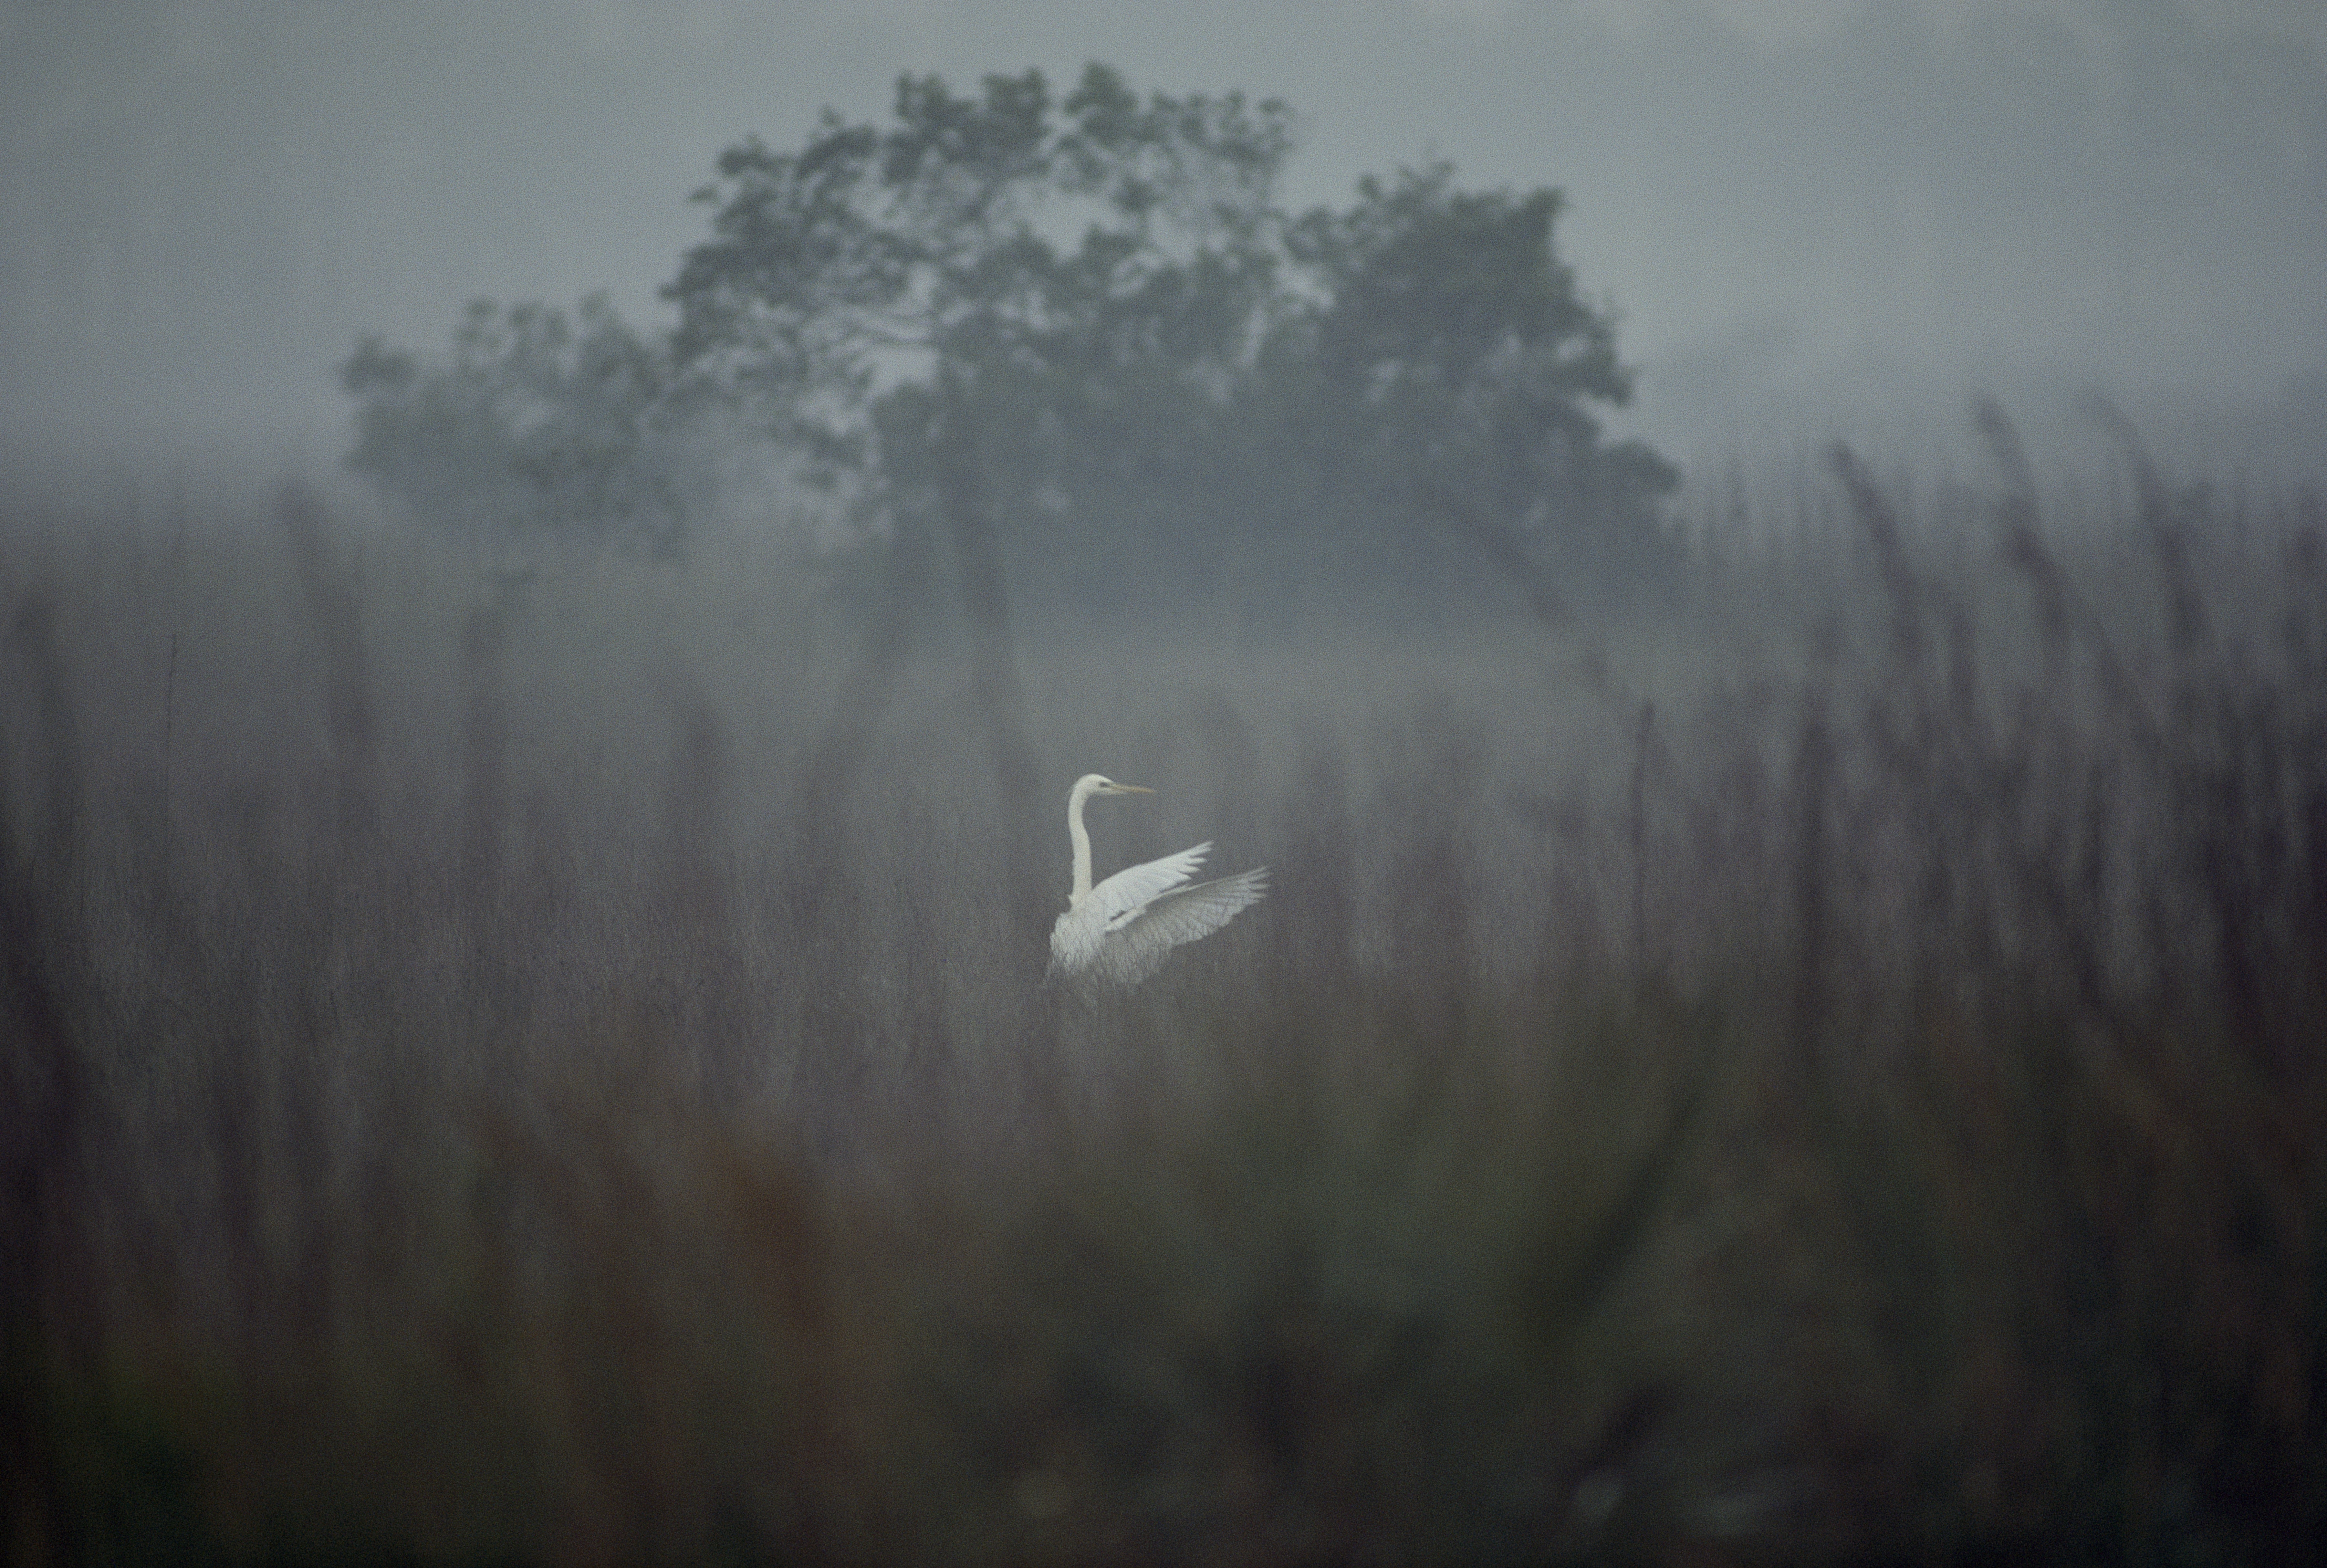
[(551, 1066)]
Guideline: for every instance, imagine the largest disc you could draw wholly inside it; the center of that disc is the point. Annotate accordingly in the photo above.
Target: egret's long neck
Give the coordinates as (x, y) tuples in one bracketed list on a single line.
[(1081, 838)]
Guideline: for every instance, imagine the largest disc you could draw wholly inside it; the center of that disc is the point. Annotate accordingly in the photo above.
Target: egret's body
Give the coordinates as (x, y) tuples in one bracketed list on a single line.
[(1122, 930)]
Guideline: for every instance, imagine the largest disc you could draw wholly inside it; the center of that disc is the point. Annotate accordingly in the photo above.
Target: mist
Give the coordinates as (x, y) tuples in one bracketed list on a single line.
[(1780, 699), (1802, 212)]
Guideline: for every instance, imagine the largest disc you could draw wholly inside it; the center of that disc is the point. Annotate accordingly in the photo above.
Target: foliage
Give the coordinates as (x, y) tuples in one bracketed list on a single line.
[(1859, 1101), (537, 423), (1454, 362), (1091, 321)]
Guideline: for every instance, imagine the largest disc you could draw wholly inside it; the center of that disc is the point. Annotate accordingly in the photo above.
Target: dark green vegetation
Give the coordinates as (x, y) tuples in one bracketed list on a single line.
[(541, 1071), (1081, 339)]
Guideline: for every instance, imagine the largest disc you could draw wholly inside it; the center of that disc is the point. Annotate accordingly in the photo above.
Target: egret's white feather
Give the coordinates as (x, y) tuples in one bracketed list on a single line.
[(1133, 888), (1139, 942), (1121, 930)]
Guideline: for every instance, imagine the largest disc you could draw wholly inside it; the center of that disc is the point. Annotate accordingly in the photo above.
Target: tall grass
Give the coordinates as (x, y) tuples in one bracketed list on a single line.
[(554, 1067)]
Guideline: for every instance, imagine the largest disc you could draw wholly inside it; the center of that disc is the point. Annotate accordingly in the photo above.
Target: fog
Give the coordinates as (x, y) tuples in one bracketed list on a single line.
[(1810, 213), (1786, 1021)]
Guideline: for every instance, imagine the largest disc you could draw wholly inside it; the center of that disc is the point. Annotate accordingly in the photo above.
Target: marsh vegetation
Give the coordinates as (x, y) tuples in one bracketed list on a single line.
[(550, 1063)]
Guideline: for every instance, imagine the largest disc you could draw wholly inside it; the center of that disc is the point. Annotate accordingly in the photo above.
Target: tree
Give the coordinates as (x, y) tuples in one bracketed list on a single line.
[(532, 425), (1083, 341), (1453, 360), (1037, 291)]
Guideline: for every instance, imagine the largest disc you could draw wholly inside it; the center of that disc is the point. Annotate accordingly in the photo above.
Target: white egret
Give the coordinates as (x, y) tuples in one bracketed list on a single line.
[(1121, 930)]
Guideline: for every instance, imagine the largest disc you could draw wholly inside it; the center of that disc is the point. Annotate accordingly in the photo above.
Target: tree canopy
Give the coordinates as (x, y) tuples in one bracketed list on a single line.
[(1089, 321), (529, 423)]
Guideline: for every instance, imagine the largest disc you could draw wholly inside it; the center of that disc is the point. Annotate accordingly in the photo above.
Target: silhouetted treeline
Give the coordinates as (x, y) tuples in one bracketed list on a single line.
[(1087, 328)]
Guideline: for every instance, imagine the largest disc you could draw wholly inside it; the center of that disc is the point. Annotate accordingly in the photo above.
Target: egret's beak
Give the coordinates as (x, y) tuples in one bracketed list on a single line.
[(1133, 790)]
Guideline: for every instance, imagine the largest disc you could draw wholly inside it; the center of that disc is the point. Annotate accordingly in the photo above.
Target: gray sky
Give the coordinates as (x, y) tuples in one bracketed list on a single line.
[(1804, 210)]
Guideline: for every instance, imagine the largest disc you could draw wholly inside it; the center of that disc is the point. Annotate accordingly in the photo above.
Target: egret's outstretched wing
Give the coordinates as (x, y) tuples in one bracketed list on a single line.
[(1134, 887), (1139, 942), (1079, 940)]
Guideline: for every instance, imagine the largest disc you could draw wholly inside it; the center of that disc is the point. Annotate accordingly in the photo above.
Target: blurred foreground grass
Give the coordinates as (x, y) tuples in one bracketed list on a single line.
[(552, 1070)]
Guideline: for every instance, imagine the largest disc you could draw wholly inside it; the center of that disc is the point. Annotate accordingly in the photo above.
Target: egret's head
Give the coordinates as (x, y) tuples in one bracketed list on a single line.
[(1091, 784)]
